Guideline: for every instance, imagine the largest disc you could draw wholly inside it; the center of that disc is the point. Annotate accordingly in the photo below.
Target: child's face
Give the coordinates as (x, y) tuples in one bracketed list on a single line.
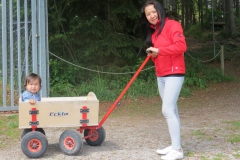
[(33, 86)]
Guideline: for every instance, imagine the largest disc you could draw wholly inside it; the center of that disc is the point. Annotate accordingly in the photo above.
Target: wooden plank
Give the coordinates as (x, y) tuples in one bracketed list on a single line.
[(60, 111), (218, 23)]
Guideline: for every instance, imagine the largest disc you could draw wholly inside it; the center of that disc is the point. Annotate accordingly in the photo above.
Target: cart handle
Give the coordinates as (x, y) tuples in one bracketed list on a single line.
[(123, 92)]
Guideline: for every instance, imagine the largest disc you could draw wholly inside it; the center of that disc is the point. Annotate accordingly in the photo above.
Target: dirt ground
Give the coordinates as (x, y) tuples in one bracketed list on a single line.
[(137, 128)]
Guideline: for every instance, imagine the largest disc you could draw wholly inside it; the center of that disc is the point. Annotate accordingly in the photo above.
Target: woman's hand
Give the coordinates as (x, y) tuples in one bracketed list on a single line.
[(153, 52)]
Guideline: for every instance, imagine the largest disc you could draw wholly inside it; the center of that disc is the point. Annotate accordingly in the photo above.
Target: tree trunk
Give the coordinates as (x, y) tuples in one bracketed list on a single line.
[(237, 8), (214, 4), (183, 13), (200, 12), (187, 14), (174, 5), (226, 16), (232, 26), (164, 3)]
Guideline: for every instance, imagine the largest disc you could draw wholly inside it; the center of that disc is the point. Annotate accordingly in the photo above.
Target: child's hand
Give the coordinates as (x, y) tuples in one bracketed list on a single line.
[(32, 101)]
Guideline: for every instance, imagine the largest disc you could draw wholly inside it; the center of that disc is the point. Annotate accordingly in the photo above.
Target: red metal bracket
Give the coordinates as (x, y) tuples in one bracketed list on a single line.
[(34, 121), (84, 119)]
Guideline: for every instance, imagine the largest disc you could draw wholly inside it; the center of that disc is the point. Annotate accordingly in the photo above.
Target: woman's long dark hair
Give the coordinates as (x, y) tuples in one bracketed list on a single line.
[(146, 30)]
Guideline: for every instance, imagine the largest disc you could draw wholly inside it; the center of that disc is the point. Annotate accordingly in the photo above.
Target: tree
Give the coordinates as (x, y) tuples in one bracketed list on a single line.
[(183, 13), (231, 28), (200, 12), (97, 32), (237, 8), (103, 32)]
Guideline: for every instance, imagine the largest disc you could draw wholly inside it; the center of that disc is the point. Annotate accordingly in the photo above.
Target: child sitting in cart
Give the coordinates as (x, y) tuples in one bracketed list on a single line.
[(32, 87)]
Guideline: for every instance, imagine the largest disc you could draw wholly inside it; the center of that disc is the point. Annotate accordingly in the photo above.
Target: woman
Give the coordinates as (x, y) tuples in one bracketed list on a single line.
[(166, 46)]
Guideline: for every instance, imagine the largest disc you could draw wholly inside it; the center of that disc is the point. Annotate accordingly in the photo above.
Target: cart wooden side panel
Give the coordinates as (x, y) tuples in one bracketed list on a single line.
[(60, 112)]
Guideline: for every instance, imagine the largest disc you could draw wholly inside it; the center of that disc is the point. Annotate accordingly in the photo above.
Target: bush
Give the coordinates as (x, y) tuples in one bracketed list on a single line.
[(194, 31), (109, 86)]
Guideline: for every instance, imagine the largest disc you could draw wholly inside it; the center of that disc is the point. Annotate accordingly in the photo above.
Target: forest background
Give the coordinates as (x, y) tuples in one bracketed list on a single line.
[(95, 45)]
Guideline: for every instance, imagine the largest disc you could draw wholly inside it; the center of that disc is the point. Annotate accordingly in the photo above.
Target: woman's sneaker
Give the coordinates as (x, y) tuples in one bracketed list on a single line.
[(164, 151), (173, 155)]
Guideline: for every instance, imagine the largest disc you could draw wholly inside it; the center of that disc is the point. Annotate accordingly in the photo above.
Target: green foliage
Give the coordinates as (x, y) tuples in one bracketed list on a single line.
[(109, 85), (186, 91), (218, 17), (61, 73), (223, 34), (104, 37), (237, 22), (201, 75), (194, 31), (194, 73), (62, 89), (99, 34), (215, 76), (109, 90)]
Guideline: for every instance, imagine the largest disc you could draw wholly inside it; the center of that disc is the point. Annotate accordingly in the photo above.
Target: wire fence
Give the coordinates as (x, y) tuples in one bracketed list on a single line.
[(192, 54), (92, 70), (23, 48)]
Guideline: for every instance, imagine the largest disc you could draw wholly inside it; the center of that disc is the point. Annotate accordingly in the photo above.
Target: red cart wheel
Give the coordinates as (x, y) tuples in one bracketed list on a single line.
[(70, 142), (34, 144), (96, 136)]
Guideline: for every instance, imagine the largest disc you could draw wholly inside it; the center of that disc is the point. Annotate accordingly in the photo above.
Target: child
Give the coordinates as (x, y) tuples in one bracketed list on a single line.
[(32, 86)]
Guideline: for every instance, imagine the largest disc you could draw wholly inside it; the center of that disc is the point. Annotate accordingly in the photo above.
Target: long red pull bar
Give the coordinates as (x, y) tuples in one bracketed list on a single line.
[(123, 92)]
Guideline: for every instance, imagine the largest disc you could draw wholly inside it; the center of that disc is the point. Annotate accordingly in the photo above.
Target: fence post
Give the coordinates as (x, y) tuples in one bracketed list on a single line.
[(222, 59)]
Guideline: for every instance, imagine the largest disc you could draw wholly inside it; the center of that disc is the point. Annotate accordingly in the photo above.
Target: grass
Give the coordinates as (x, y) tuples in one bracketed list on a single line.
[(9, 125), (234, 126), (199, 134), (189, 154), (237, 155), (204, 158), (9, 131), (234, 138), (219, 156)]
